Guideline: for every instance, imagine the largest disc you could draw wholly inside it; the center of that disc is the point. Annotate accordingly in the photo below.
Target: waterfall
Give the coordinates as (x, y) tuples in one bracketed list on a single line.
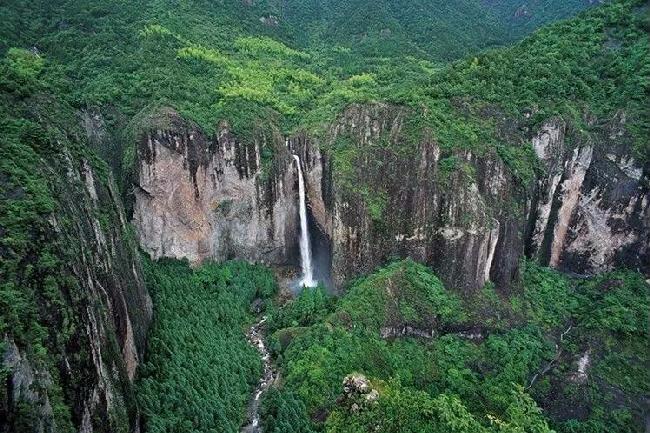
[(305, 247)]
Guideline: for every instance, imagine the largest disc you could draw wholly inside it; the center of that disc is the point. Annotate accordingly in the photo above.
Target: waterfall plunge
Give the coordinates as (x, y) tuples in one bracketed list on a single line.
[(305, 247)]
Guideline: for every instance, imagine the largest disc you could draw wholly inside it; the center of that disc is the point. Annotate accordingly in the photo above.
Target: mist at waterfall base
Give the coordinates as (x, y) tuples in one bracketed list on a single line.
[(314, 248)]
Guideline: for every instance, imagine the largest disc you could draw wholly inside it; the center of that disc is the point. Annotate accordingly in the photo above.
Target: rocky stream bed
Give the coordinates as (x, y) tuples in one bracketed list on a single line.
[(255, 336)]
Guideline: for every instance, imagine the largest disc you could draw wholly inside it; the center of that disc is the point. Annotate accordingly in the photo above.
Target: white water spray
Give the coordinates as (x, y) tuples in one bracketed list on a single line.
[(305, 247)]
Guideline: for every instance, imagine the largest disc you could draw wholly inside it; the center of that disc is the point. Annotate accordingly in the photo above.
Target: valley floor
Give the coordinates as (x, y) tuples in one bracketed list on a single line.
[(397, 352)]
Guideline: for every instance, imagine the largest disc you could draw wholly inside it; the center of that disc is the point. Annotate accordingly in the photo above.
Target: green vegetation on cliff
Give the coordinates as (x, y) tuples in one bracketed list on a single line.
[(42, 299), (592, 71), (219, 61)]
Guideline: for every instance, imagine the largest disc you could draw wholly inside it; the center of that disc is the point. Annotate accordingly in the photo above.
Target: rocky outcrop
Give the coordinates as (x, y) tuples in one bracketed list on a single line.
[(430, 207), (358, 392), (465, 214), (117, 319), (590, 209), (26, 383), (199, 197), (388, 332)]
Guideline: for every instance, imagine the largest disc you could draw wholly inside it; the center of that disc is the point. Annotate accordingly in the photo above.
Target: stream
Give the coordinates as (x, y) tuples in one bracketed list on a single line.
[(256, 338)]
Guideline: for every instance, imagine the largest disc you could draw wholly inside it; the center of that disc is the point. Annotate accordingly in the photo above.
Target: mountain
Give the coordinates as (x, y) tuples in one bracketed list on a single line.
[(535, 150), (168, 128), (529, 15), (437, 30)]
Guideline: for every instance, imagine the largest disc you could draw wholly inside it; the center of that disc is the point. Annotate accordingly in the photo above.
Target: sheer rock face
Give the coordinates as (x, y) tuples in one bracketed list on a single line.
[(100, 323), (25, 383), (464, 214), (586, 213), (448, 219), (590, 210), (200, 197), (119, 309), (318, 181)]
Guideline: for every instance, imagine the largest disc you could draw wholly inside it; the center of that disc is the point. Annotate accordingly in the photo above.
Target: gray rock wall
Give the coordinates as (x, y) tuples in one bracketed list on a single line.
[(590, 212), (464, 214), (214, 198), (96, 332)]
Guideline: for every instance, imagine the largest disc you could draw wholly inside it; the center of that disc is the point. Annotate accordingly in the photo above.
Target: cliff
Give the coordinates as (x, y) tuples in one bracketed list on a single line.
[(217, 197), (377, 191), (587, 211), (396, 196), (590, 209), (75, 310)]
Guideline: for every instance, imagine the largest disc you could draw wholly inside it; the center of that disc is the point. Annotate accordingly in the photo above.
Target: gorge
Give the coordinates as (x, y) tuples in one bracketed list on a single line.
[(325, 216), (587, 211), (269, 376)]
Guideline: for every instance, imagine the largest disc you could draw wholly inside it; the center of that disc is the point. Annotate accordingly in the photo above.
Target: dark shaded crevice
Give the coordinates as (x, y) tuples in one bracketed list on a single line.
[(547, 242), (321, 249)]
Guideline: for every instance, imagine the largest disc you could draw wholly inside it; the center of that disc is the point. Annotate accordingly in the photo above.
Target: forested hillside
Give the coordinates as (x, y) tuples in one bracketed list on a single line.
[(523, 17), (416, 358), (200, 368), (123, 57), (437, 30), (74, 309), (119, 58)]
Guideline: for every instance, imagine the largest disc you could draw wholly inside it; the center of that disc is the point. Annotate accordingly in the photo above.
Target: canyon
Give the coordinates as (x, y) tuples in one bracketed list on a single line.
[(446, 211)]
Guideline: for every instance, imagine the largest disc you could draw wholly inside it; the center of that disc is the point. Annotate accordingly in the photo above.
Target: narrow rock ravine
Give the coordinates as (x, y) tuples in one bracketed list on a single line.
[(256, 338)]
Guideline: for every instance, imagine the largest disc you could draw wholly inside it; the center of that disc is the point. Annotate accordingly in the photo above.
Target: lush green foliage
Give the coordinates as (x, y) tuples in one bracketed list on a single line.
[(402, 409), (524, 17), (200, 369), (495, 381), (216, 60), (425, 28), (398, 294), (610, 327), (308, 308), (284, 412), (25, 201)]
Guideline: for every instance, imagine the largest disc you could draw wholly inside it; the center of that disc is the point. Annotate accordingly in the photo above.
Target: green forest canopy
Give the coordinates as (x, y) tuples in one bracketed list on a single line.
[(216, 60), (489, 366)]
